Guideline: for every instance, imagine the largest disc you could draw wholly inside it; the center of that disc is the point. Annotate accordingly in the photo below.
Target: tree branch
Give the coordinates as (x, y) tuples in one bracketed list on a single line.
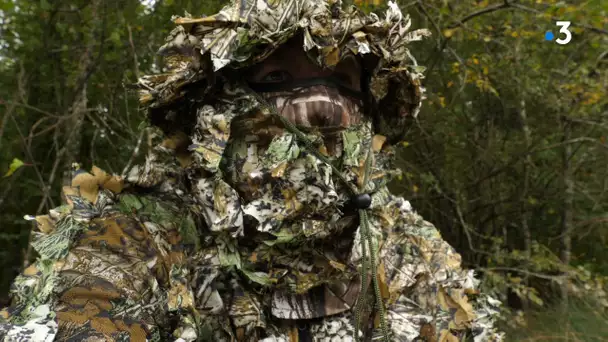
[(535, 11), (486, 10)]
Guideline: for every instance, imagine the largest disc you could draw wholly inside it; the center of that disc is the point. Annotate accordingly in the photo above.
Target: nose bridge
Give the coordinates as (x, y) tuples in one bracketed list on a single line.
[(302, 67), (315, 72)]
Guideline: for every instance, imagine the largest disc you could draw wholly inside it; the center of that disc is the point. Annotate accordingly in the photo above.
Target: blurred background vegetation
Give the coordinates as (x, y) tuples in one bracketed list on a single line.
[(508, 158)]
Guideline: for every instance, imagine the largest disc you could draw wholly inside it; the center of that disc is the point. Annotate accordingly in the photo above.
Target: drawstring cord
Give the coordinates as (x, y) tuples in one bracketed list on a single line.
[(358, 197)]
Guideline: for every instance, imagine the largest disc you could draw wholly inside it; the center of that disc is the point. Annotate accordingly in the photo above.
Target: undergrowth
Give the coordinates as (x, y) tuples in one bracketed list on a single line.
[(579, 321)]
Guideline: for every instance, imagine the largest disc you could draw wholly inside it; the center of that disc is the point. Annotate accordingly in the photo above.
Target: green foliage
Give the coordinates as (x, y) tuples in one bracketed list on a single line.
[(579, 321), (485, 159)]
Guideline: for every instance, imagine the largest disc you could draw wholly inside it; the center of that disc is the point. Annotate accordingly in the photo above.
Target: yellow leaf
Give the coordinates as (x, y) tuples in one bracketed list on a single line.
[(337, 265), (87, 184), (449, 300), (15, 165), (179, 297), (446, 336), (381, 273), (442, 101), (144, 98), (323, 150), (415, 188), (111, 182), (377, 142), (514, 34), (44, 224), (279, 170), (291, 200), (332, 55), (253, 257), (31, 270), (475, 61), (448, 33), (450, 84)]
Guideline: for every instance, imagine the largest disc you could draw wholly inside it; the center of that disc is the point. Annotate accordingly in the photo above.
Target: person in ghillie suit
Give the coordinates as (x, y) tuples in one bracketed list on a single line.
[(264, 214)]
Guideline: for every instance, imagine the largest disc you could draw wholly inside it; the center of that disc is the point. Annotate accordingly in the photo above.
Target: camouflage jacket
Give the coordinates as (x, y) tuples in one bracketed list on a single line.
[(233, 230), (122, 262)]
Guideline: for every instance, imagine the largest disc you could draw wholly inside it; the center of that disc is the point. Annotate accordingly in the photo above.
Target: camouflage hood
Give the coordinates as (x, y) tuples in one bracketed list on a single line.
[(201, 51), (231, 147)]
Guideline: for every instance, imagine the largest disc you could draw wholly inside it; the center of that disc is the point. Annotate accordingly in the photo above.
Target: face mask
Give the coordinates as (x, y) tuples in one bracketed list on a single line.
[(315, 102)]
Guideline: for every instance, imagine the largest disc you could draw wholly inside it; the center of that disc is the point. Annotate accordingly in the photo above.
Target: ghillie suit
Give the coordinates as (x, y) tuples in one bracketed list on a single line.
[(243, 226)]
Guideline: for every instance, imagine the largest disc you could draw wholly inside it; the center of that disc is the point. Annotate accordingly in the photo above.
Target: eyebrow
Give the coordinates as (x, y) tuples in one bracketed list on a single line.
[(259, 69)]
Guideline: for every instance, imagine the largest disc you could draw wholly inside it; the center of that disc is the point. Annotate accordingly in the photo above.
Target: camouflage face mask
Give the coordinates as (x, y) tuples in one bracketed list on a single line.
[(323, 103)]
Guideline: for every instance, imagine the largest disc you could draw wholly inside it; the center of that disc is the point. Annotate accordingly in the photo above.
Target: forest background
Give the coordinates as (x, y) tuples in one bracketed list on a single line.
[(508, 157)]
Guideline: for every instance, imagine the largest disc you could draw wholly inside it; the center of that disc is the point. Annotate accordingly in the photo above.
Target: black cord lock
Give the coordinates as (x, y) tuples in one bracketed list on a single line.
[(361, 201)]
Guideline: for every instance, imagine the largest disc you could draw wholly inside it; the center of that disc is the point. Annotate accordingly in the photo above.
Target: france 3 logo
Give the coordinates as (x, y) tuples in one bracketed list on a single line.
[(563, 30)]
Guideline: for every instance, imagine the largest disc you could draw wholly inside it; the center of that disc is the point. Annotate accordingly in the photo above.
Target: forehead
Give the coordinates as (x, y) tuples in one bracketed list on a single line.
[(293, 48)]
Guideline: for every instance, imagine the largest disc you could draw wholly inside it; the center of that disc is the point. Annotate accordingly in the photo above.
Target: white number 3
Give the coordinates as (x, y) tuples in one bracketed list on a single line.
[(564, 29)]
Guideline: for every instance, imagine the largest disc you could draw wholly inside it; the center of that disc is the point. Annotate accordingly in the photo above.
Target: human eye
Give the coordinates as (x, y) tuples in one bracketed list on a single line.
[(277, 76)]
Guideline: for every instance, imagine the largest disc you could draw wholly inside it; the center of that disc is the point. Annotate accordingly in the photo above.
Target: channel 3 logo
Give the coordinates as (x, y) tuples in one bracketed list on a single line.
[(563, 29)]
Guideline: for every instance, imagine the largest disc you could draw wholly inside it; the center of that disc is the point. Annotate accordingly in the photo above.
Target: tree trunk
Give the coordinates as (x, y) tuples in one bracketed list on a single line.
[(525, 188), (74, 129), (566, 223), (78, 109), (524, 195)]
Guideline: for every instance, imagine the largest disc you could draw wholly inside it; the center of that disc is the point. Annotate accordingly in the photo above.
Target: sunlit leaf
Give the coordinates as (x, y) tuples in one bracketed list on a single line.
[(15, 165)]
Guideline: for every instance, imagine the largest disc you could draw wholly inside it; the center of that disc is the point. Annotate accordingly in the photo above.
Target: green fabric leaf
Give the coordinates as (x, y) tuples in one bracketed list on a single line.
[(57, 244), (352, 147), (258, 277), (33, 297), (282, 237), (228, 254), (159, 213), (282, 149), (128, 203), (188, 231)]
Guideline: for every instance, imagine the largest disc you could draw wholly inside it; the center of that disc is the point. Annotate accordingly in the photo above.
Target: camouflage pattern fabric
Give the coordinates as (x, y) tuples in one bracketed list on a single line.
[(232, 230), (246, 32)]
